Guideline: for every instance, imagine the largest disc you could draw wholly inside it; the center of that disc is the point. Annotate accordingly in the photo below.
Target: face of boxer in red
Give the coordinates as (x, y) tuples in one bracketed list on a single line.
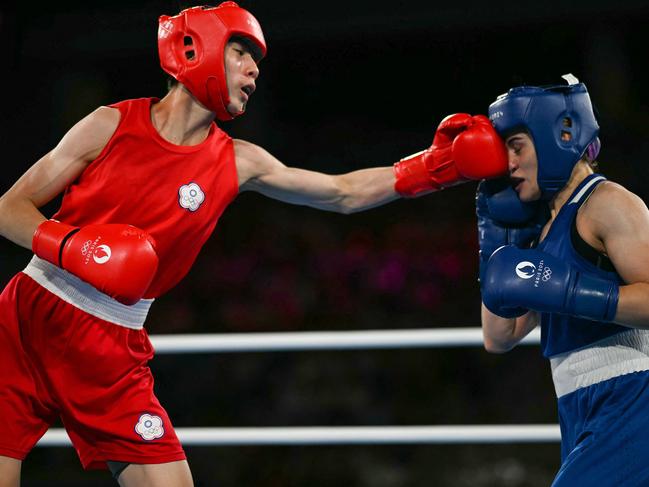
[(241, 71), (523, 166)]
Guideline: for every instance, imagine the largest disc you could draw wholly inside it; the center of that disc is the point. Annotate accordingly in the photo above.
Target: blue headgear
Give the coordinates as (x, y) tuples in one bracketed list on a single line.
[(561, 122)]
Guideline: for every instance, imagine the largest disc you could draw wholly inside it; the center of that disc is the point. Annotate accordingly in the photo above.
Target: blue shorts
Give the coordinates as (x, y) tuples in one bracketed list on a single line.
[(605, 434)]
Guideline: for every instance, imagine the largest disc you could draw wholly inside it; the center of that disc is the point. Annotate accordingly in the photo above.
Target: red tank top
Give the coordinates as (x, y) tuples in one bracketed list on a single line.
[(176, 193)]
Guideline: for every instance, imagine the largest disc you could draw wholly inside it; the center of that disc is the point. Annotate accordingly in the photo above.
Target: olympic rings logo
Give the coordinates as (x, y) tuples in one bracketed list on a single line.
[(547, 274), (86, 247)]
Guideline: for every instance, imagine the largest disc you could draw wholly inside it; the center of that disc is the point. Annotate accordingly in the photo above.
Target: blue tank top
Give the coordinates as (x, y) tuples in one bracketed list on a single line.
[(561, 333)]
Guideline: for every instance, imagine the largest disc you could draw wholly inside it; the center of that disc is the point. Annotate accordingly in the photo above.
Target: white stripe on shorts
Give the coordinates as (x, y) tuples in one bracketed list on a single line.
[(82, 295), (620, 354)]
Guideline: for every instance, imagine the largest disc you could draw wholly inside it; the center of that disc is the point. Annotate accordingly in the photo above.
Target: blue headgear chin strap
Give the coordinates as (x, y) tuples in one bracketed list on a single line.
[(561, 122)]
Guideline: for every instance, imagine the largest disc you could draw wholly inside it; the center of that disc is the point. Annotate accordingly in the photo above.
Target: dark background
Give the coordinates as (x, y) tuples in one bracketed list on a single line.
[(344, 86)]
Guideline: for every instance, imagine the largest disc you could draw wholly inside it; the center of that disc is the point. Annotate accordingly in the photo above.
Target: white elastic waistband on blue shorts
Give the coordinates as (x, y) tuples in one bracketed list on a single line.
[(620, 354), (82, 295)]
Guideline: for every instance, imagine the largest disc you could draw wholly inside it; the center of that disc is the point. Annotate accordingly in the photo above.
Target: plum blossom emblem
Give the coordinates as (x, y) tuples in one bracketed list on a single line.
[(149, 427), (190, 196)]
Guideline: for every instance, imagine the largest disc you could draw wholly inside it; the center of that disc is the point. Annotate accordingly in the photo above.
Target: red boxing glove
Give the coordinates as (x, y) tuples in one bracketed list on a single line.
[(464, 148), (119, 260)]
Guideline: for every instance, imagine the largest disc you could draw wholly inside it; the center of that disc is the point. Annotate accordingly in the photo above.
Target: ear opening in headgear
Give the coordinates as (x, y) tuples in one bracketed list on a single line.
[(566, 135), (189, 42)]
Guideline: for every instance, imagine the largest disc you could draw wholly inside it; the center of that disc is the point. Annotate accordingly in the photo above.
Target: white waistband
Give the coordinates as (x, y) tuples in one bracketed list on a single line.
[(620, 354), (82, 295)]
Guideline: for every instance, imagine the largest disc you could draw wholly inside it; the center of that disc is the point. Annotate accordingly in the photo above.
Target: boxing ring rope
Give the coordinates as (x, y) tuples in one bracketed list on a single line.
[(339, 340), (318, 435), (351, 435)]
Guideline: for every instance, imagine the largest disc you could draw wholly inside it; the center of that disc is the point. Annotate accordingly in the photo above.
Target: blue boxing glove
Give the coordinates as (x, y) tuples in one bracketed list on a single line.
[(503, 219), (530, 279)]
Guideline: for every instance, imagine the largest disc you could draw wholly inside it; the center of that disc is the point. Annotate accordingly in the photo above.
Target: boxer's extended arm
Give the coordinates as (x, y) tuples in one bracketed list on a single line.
[(620, 221), (48, 177), (359, 190), (464, 148)]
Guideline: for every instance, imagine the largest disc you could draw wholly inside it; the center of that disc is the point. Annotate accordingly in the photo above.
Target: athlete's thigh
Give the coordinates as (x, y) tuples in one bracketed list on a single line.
[(9, 472), (176, 474)]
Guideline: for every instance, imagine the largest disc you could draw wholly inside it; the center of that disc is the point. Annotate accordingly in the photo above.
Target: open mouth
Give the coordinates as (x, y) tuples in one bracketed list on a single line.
[(516, 182), (248, 89)]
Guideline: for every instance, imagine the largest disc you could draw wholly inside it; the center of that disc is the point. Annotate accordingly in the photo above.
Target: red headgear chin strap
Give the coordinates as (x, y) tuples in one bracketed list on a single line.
[(191, 47)]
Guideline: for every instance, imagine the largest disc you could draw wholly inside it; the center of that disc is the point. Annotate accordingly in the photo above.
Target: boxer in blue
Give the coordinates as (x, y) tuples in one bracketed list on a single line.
[(565, 249)]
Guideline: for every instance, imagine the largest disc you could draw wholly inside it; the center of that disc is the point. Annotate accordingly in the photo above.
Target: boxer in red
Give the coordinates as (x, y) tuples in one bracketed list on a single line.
[(144, 182)]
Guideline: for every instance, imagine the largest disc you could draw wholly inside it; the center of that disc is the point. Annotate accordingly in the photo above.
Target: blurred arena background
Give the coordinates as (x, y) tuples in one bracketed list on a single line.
[(344, 86)]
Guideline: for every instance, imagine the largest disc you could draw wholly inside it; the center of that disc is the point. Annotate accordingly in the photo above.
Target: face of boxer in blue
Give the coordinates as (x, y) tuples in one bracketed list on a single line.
[(523, 166)]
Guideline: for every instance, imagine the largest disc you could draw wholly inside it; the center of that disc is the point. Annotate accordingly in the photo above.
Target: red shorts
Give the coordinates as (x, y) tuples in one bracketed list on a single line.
[(59, 361)]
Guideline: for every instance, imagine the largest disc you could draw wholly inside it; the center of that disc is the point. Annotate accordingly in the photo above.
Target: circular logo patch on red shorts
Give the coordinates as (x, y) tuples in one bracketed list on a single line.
[(150, 427)]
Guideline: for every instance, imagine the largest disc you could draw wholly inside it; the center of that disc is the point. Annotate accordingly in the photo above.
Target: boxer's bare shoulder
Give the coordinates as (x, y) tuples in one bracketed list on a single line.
[(88, 137)]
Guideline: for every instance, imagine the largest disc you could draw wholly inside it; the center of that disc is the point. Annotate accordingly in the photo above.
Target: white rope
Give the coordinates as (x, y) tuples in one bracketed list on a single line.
[(318, 435), (338, 340)]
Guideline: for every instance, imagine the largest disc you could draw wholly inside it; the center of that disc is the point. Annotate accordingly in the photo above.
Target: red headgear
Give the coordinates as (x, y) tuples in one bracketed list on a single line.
[(191, 47)]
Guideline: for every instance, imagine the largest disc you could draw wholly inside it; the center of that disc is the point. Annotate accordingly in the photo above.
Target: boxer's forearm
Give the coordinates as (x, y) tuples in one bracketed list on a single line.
[(19, 218), (502, 334), (364, 189), (633, 306)]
